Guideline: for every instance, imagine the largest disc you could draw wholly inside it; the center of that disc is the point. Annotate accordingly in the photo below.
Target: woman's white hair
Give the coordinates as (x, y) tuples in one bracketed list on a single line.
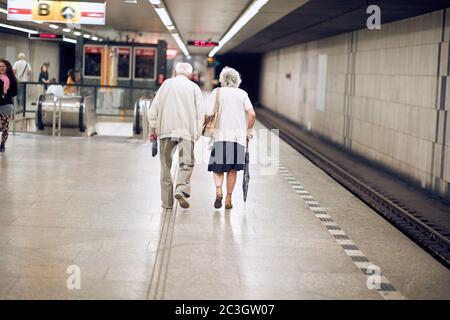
[(184, 68), (229, 77)]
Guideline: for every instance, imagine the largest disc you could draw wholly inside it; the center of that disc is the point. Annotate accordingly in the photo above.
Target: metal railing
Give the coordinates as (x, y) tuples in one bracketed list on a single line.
[(108, 100), (141, 108)]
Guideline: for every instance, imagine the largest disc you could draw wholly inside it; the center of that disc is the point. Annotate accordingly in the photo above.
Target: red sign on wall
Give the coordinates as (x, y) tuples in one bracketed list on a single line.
[(92, 49), (124, 51), (145, 52)]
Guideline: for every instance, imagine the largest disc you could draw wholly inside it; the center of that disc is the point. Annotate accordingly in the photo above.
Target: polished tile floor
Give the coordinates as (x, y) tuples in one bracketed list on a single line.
[(93, 204)]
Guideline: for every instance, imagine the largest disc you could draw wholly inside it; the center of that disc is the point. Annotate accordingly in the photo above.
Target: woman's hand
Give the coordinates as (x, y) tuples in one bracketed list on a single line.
[(249, 134)]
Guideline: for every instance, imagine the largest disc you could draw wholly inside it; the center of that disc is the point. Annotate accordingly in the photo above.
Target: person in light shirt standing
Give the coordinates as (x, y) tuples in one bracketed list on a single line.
[(235, 128), (176, 117), (22, 70)]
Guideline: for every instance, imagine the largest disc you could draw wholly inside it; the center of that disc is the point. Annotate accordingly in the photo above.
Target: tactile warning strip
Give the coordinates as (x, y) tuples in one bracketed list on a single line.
[(375, 279)]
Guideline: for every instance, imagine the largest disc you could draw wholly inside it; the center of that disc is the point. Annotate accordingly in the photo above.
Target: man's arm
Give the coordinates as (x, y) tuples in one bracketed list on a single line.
[(153, 116)]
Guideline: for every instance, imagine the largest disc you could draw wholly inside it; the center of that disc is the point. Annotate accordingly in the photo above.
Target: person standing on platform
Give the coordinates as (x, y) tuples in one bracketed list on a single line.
[(176, 117), (8, 90), (22, 70), (233, 131), (70, 89), (43, 75)]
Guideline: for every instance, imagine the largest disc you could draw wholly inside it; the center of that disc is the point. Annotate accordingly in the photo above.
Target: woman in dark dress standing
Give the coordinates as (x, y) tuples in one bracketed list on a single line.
[(8, 90), (236, 120)]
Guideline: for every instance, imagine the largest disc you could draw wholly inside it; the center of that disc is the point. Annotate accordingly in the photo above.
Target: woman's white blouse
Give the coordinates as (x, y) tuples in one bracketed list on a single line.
[(234, 104)]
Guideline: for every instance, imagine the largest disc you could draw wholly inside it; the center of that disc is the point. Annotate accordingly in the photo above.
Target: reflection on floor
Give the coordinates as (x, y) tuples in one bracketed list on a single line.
[(94, 204), (120, 129), (106, 126)]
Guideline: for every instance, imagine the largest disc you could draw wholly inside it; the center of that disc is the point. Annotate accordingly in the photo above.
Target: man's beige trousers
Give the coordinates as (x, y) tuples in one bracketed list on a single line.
[(186, 166)]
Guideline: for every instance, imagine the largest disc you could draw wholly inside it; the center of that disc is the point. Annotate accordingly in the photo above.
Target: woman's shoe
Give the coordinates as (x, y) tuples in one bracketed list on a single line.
[(2, 148), (218, 202), (228, 205)]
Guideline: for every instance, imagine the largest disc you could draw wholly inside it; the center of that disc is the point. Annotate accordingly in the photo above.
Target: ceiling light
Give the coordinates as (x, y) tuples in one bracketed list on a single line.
[(3, 11), (181, 44), (95, 38), (7, 26), (164, 16), (252, 10), (67, 30), (69, 40), (53, 26), (167, 21), (77, 33), (87, 36)]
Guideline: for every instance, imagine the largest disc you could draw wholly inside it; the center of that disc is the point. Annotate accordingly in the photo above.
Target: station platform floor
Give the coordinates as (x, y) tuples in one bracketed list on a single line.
[(94, 203)]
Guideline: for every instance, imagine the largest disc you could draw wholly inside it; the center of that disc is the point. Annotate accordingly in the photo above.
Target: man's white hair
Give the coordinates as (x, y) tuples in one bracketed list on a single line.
[(229, 77), (21, 55), (184, 68)]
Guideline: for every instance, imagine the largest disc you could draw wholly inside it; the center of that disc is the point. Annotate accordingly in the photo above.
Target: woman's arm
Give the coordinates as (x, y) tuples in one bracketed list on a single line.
[(251, 116), (12, 91), (251, 119)]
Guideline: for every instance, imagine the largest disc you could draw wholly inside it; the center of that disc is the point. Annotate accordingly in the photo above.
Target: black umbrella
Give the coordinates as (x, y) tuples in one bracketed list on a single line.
[(246, 178), (154, 148)]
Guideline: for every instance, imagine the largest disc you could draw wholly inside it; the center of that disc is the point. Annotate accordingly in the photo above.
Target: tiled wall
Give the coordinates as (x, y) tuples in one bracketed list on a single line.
[(387, 94)]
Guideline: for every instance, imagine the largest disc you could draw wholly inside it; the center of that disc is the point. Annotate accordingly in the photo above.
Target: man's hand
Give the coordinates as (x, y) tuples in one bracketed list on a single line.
[(152, 137)]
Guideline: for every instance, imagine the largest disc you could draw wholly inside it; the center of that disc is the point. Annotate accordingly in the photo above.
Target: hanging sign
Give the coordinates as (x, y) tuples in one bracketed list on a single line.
[(57, 11)]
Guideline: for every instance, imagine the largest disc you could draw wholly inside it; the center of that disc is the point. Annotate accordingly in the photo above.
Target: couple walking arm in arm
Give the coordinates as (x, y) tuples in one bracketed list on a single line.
[(176, 118)]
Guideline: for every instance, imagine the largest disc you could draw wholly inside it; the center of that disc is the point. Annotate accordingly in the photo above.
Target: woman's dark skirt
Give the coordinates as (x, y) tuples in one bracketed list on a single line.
[(226, 156)]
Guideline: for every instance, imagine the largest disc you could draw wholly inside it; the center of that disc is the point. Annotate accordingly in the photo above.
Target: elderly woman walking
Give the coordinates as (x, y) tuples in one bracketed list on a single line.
[(234, 128), (8, 90)]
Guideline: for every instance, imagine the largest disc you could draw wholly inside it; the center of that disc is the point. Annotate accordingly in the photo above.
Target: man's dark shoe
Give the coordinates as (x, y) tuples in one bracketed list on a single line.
[(2, 148)]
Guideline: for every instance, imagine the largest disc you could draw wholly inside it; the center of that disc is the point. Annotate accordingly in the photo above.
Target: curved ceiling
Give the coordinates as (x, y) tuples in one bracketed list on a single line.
[(318, 19)]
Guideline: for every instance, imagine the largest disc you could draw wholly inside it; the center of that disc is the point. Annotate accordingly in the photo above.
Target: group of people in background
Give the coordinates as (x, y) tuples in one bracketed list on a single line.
[(10, 78), (177, 117)]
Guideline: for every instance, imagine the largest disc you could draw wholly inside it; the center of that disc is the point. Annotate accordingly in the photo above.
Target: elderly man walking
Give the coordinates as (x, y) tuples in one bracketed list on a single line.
[(176, 117)]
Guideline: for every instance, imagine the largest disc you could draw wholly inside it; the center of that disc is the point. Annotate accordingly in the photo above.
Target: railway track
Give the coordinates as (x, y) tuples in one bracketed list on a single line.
[(394, 207)]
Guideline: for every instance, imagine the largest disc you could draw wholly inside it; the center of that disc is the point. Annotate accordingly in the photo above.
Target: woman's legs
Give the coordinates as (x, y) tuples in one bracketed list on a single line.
[(4, 122), (231, 182), (218, 180)]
